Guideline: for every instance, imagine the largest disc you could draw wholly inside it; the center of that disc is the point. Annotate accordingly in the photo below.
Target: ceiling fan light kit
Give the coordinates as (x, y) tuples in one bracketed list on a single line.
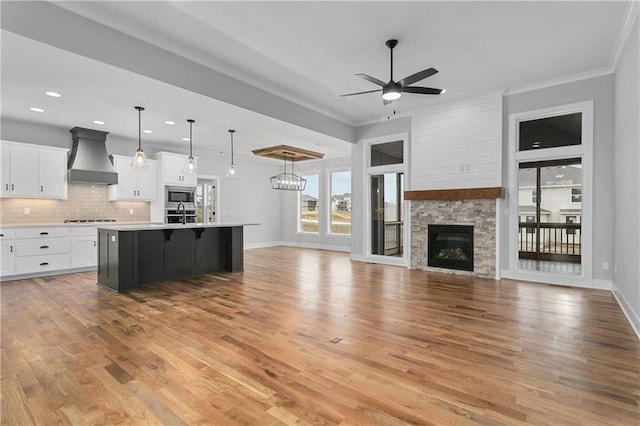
[(393, 90)]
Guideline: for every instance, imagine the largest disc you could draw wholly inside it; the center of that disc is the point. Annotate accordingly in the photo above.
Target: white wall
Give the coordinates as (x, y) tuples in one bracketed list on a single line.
[(290, 233), (626, 148), (248, 198), (458, 145), (600, 90)]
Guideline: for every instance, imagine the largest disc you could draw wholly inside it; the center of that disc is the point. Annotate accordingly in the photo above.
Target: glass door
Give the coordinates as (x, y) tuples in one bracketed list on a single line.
[(550, 214), (387, 204)]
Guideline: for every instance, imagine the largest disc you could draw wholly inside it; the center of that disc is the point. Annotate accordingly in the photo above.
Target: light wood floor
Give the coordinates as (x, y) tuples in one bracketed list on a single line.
[(254, 348)]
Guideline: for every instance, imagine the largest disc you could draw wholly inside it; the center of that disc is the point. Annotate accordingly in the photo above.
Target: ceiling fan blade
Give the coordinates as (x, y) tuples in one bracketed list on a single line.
[(372, 79), (361, 93), (422, 90), (420, 75)]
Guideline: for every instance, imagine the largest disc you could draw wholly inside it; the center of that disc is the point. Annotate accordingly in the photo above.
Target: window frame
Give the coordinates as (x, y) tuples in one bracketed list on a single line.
[(329, 196), (299, 229), (572, 195)]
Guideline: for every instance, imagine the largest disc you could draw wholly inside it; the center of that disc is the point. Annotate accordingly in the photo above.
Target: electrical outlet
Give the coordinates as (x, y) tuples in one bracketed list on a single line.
[(605, 266), (131, 211), (467, 167), (462, 167), (27, 210)]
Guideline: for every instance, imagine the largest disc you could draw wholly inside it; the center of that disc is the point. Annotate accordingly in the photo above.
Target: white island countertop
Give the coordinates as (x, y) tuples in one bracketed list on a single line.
[(161, 226)]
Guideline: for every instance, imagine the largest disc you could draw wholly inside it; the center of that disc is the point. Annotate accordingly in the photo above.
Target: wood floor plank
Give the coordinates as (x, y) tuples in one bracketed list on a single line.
[(255, 347)]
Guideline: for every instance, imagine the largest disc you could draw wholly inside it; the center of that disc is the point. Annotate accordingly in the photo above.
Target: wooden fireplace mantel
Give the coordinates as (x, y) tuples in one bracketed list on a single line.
[(455, 194)]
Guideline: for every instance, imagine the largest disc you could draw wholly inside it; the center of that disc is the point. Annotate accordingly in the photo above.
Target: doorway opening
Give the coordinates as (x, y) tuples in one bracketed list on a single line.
[(207, 200), (387, 213)]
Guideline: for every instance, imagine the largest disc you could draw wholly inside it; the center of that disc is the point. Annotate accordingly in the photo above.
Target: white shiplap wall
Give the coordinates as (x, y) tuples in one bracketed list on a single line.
[(458, 145)]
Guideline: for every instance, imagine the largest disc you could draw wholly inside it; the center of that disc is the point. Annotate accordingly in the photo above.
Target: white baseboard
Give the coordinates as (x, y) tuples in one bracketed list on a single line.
[(48, 273), (627, 309), (384, 260), (263, 245), (315, 246), (601, 284), (565, 280)]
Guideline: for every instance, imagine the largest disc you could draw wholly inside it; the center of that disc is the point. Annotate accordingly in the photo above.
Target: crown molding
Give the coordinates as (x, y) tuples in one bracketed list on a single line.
[(558, 81), (625, 32)]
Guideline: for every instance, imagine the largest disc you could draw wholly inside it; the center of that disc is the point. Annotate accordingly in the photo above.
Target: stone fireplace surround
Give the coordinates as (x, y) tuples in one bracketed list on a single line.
[(480, 212)]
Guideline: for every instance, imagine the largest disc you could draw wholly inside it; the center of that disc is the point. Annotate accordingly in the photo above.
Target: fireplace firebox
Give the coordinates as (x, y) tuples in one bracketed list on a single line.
[(451, 247)]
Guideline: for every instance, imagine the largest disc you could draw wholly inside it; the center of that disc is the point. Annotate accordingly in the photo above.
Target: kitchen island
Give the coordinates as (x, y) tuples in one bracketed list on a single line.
[(132, 255)]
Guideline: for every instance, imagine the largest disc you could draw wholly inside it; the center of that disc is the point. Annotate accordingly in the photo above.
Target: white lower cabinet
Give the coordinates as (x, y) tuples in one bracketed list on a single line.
[(8, 260), (42, 263), (84, 247), (41, 249), (35, 250)]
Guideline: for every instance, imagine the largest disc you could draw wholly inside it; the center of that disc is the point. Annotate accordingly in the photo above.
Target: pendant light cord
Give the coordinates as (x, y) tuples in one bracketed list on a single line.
[(190, 121), (232, 132)]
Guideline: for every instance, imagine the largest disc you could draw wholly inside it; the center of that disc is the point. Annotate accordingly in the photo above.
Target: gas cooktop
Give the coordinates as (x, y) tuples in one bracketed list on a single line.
[(88, 220)]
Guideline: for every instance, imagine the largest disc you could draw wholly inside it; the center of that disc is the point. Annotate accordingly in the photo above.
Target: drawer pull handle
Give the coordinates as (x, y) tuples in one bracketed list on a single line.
[(11, 249), (1, 235), (41, 188), (44, 233), (44, 263), (44, 247), (94, 243), (6, 186)]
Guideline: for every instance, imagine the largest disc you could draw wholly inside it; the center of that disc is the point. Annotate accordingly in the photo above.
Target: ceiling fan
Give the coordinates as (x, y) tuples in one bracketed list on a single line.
[(393, 90)]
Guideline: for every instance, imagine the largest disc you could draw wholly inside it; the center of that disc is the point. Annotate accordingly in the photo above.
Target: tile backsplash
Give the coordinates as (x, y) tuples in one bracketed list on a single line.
[(84, 201)]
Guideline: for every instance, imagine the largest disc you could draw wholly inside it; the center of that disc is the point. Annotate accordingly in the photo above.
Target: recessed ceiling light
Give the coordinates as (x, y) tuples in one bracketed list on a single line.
[(98, 122), (443, 91), (34, 109), (170, 123), (147, 131), (185, 139), (53, 94)]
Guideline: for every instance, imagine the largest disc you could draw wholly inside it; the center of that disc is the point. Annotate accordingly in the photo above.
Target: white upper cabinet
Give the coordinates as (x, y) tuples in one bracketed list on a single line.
[(172, 170), (133, 185), (33, 171), (52, 170)]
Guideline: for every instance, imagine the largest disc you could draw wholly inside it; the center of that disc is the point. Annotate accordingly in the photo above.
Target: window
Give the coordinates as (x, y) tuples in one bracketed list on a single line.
[(576, 195), (383, 154), (309, 208), (340, 192), (551, 132), (534, 198)]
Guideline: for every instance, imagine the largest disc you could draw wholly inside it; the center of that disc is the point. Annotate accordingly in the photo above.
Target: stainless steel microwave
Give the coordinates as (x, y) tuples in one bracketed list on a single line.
[(176, 195)]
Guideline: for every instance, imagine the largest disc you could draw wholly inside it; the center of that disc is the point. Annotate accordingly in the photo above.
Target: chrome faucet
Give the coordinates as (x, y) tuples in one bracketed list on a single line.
[(184, 212)]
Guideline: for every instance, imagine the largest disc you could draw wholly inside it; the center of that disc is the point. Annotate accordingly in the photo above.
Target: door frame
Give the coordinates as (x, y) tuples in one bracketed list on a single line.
[(583, 151), (406, 219)]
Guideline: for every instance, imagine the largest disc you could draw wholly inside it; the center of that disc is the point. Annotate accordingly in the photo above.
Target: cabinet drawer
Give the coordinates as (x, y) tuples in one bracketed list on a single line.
[(7, 234), (42, 263), (82, 231), (38, 246), (39, 232)]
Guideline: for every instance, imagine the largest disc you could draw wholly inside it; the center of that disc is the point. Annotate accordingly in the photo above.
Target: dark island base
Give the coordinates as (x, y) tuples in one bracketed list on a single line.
[(128, 259)]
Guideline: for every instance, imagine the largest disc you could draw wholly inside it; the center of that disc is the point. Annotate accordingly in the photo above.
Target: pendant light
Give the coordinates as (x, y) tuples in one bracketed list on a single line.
[(231, 171), (139, 160), (288, 181), (191, 166)]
